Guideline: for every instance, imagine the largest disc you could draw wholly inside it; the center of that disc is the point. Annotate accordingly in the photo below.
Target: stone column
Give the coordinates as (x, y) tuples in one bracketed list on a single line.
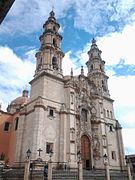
[(27, 170), (129, 171), (50, 170), (80, 171), (107, 171)]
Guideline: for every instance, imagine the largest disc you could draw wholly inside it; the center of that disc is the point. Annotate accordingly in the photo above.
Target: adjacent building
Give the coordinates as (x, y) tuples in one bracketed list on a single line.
[(5, 6)]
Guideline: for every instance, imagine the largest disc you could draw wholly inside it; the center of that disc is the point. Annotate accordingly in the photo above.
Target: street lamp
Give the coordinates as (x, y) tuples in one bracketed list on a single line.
[(50, 154), (27, 165), (28, 152), (128, 167), (105, 157), (79, 156)]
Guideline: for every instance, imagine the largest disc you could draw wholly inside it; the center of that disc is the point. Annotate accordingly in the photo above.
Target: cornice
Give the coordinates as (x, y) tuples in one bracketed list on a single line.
[(44, 73)]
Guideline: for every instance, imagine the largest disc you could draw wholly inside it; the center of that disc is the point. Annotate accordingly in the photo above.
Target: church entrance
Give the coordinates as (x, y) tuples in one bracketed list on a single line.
[(85, 152)]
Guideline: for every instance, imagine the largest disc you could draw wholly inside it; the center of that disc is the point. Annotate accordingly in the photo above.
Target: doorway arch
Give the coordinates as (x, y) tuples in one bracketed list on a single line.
[(86, 152)]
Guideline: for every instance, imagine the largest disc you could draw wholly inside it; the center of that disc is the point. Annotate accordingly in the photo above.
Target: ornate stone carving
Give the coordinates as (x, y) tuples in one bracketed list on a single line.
[(96, 144)]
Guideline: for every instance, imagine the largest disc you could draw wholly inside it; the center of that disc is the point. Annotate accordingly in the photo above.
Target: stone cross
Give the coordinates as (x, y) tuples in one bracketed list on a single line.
[(39, 151)]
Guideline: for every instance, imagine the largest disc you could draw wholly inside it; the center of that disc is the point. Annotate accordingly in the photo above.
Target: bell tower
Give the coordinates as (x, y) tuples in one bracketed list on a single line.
[(49, 57), (96, 71)]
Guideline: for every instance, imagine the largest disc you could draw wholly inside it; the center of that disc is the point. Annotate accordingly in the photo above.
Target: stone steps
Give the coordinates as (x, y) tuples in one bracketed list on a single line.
[(65, 175), (18, 174)]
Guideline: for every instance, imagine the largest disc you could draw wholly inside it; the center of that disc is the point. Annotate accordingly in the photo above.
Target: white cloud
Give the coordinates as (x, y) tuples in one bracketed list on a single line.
[(129, 144), (68, 63), (103, 16), (116, 46), (94, 17), (129, 117), (15, 73), (28, 16), (123, 90)]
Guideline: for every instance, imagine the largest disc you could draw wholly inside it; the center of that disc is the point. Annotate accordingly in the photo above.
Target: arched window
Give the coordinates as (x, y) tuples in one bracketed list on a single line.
[(107, 113), (84, 114), (113, 155), (6, 126), (55, 63), (54, 29), (104, 85), (92, 67), (111, 114), (16, 123), (54, 42), (111, 128)]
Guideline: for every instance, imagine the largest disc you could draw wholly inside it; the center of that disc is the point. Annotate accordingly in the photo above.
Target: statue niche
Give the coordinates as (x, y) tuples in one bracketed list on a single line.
[(84, 114)]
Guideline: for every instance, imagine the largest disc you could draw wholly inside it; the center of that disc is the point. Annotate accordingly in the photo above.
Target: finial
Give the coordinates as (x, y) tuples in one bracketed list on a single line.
[(0, 106), (93, 41), (52, 14), (25, 91), (71, 73), (82, 71)]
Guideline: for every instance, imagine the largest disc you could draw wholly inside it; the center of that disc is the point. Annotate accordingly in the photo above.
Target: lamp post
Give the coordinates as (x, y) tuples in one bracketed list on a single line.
[(50, 154), (128, 168), (78, 163), (50, 165), (1, 169), (28, 153), (27, 165), (105, 157)]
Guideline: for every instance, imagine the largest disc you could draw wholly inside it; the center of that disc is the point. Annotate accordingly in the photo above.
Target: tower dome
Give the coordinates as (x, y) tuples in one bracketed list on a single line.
[(18, 102)]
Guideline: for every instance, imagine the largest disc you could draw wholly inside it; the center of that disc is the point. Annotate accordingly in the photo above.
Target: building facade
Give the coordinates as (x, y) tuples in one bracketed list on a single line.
[(69, 114), (8, 128)]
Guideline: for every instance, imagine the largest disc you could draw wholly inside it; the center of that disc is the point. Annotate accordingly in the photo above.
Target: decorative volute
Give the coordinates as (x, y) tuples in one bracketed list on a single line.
[(49, 57)]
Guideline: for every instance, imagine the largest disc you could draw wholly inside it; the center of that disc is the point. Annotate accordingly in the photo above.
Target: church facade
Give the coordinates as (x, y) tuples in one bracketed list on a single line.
[(71, 114)]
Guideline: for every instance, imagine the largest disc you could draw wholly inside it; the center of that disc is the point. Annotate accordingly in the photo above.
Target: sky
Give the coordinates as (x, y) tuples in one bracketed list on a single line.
[(111, 23)]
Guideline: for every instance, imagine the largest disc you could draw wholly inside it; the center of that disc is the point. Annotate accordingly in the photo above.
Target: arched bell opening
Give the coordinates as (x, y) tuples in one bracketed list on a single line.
[(54, 42), (55, 63)]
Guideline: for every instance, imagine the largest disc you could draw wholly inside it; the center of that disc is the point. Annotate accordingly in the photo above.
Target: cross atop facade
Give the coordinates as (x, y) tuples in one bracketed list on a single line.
[(52, 4), (39, 151)]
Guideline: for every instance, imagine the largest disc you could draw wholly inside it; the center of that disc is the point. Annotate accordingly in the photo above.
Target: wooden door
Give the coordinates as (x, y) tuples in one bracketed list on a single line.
[(85, 152)]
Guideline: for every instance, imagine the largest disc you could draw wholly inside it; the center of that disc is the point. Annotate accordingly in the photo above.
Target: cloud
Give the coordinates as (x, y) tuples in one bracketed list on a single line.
[(117, 46), (68, 63), (122, 89), (95, 17), (117, 49), (128, 135), (15, 73), (102, 16), (28, 16)]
